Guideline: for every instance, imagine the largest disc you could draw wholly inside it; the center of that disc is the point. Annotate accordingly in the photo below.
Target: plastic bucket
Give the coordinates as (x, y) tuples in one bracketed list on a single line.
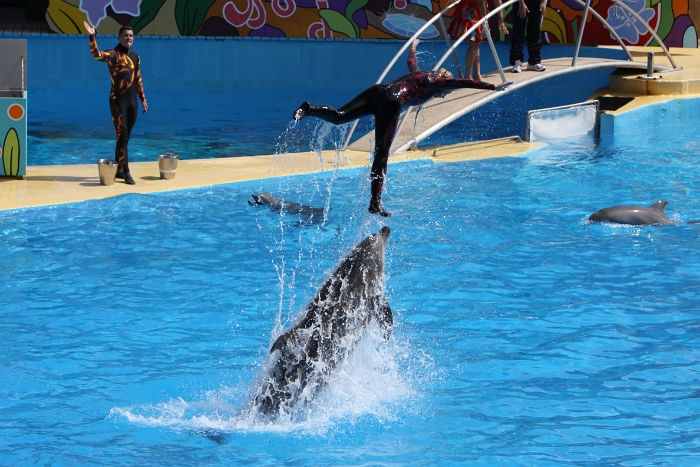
[(167, 164), (107, 169)]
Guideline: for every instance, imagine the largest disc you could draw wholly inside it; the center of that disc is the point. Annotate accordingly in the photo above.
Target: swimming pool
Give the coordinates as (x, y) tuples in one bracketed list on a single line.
[(133, 327)]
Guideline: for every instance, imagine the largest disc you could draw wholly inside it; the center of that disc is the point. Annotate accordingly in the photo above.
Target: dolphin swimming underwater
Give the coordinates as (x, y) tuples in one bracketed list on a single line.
[(331, 328), (633, 215), (278, 205)]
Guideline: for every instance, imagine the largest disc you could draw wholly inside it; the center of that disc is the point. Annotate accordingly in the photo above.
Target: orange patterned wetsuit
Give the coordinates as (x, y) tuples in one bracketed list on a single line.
[(124, 70)]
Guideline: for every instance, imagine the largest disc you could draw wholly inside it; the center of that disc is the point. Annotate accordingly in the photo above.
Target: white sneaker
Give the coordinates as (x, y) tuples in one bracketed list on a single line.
[(518, 67), (536, 67)]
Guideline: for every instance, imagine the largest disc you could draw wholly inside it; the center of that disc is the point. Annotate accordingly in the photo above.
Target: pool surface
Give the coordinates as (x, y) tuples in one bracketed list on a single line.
[(133, 327)]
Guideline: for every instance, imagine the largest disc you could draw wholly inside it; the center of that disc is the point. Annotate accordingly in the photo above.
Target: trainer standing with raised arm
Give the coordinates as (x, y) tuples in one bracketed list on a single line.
[(124, 69)]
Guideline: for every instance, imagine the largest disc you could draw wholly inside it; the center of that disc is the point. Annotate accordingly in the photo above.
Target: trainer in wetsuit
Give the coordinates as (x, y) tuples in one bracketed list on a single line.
[(385, 101), (124, 70)]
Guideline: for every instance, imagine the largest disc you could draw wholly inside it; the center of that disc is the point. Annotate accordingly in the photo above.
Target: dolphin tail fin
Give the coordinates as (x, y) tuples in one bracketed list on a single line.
[(385, 319), (659, 206)]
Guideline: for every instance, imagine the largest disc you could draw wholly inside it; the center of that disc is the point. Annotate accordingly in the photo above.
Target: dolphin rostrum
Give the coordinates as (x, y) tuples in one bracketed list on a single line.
[(287, 207), (633, 215), (332, 325)]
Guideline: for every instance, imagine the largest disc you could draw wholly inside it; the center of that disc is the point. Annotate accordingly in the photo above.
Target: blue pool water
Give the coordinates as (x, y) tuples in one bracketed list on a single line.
[(133, 327)]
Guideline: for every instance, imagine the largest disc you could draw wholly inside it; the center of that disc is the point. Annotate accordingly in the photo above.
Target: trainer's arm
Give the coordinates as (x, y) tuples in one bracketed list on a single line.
[(139, 88), (412, 60), (470, 83), (94, 50)]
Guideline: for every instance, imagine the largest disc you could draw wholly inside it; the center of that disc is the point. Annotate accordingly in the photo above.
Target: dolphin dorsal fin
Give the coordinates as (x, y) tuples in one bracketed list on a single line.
[(281, 341), (659, 206)]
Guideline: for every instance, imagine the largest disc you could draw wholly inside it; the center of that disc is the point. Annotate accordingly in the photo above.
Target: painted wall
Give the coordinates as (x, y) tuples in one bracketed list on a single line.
[(245, 63), (673, 20), (664, 116), (263, 79)]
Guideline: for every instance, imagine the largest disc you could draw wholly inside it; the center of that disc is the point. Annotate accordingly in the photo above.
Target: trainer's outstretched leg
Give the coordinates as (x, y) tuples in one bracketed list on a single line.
[(386, 122)]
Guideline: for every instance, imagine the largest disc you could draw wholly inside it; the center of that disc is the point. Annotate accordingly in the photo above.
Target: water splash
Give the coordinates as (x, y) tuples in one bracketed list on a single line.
[(372, 382)]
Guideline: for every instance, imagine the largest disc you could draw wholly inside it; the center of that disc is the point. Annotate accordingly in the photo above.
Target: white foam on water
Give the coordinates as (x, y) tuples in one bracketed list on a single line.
[(373, 382)]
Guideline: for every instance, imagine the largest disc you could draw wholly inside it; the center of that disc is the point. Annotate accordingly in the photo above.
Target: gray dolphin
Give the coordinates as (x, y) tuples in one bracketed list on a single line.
[(278, 205), (332, 326), (633, 215)]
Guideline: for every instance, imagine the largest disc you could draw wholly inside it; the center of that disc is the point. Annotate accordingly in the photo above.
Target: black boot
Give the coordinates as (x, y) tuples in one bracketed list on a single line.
[(375, 204), (119, 174), (128, 179), (301, 111)]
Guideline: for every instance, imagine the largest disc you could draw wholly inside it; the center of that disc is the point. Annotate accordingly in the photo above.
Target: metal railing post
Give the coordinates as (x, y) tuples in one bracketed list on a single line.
[(449, 44), (580, 32), (641, 20), (610, 29), (493, 51)]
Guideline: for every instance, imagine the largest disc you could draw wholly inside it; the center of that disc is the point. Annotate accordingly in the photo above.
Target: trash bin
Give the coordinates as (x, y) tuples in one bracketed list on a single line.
[(167, 163), (107, 169)]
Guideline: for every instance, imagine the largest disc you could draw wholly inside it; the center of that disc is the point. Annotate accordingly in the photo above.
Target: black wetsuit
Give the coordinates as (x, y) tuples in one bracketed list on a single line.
[(534, 41), (385, 102), (124, 70)]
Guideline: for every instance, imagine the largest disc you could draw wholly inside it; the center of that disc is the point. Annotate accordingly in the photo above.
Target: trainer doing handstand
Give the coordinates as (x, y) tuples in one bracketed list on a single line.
[(385, 102)]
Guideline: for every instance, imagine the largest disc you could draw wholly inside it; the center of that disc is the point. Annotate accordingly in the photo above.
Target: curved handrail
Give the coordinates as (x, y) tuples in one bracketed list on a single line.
[(413, 37), (398, 54), (471, 30), (641, 20), (485, 19), (579, 39), (466, 34), (610, 29)]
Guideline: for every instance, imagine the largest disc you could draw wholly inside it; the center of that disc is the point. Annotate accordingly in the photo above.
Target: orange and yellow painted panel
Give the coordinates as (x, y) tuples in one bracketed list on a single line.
[(13, 136)]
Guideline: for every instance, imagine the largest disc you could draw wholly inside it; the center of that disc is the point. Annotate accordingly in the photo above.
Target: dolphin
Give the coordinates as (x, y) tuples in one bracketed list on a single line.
[(278, 205), (331, 326), (633, 215)]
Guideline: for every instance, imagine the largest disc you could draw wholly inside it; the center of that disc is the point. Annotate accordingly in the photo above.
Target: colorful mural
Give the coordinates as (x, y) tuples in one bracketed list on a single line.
[(673, 20)]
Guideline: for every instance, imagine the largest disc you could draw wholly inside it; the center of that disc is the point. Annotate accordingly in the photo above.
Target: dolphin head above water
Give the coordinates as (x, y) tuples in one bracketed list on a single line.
[(263, 199), (286, 207), (633, 215), (331, 326)]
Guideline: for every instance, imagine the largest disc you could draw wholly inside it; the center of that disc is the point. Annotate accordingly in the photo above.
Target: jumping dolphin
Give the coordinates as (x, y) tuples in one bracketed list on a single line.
[(633, 215), (278, 205), (332, 326)]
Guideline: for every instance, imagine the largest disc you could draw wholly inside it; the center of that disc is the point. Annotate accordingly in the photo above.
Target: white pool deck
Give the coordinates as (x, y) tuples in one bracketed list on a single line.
[(57, 184)]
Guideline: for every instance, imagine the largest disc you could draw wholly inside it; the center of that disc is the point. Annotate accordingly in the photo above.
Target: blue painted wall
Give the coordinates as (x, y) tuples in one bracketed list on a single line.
[(261, 81), (666, 116), (247, 63)]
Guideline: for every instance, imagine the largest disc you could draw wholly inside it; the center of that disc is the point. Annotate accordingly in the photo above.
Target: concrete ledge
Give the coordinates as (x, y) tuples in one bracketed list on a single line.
[(681, 82), (57, 184)]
